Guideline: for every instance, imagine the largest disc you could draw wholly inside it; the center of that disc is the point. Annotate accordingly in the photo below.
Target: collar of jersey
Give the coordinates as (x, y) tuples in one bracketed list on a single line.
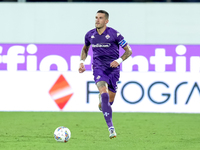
[(104, 33)]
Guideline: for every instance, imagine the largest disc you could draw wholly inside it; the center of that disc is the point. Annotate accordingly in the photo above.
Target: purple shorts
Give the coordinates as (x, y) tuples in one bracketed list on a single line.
[(109, 77)]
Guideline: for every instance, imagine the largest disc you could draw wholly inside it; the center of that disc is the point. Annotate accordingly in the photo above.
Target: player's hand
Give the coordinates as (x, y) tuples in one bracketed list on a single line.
[(114, 64), (81, 68)]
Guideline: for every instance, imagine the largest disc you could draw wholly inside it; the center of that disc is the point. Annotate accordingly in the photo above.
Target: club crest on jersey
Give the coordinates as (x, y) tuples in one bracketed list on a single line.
[(92, 37), (107, 36), (118, 34)]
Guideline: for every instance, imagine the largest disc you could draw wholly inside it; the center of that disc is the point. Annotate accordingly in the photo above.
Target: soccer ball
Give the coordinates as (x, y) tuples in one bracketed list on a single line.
[(62, 134)]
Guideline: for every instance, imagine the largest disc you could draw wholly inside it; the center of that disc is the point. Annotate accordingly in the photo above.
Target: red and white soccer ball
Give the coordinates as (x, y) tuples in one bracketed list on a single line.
[(62, 134)]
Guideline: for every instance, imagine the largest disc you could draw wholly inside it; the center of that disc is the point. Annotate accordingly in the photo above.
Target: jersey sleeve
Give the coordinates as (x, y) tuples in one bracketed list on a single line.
[(87, 40), (120, 39)]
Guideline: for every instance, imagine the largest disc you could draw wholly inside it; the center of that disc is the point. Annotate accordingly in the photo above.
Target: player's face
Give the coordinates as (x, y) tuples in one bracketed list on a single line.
[(100, 20)]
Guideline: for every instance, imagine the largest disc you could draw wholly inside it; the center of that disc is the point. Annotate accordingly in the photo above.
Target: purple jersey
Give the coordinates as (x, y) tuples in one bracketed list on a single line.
[(105, 47)]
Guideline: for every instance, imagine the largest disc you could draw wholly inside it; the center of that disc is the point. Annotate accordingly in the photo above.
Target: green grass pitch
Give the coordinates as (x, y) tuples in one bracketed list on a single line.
[(135, 131)]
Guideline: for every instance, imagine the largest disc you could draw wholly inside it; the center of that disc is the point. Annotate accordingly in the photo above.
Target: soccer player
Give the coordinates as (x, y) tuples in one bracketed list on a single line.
[(105, 43)]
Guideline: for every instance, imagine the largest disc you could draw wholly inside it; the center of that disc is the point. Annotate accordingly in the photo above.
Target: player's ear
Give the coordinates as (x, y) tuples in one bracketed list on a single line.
[(107, 21)]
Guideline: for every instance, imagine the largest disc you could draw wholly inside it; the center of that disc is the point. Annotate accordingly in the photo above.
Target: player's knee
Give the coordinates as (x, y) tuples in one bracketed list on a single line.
[(103, 91)]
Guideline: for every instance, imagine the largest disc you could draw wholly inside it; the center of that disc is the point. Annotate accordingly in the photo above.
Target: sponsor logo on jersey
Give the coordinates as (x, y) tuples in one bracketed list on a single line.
[(101, 45)]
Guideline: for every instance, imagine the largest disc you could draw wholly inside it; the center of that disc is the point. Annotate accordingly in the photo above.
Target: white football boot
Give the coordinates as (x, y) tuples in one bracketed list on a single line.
[(113, 134)]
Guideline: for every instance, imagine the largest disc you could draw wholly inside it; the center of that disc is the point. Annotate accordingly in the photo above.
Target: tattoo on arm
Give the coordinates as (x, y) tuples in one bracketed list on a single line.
[(127, 53), (84, 52)]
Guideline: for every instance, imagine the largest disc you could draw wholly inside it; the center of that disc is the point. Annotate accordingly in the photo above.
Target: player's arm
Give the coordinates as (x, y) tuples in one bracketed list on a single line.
[(84, 54), (127, 53)]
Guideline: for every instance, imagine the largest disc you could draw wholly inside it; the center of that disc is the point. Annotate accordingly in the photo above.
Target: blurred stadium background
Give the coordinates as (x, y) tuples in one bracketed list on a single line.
[(41, 89), (100, 0), (40, 45)]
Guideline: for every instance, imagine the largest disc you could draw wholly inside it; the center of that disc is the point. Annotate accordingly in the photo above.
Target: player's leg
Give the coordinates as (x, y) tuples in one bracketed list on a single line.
[(106, 107), (112, 87), (102, 79), (111, 98)]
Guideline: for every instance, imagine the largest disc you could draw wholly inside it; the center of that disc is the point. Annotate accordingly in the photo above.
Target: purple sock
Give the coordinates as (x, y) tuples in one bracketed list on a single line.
[(106, 109)]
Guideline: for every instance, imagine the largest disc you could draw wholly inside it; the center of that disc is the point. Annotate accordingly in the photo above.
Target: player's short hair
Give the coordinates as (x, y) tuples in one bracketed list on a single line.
[(104, 12)]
